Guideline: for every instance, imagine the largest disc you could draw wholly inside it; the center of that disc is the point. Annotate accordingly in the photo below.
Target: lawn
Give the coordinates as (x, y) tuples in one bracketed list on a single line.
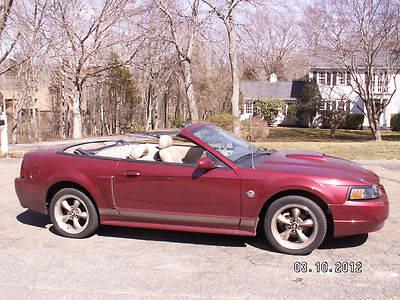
[(350, 144), (285, 134)]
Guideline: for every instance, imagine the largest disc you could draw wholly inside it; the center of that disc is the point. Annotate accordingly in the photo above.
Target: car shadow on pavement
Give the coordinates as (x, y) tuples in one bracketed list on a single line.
[(171, 236), (345, 242), (32, 218)]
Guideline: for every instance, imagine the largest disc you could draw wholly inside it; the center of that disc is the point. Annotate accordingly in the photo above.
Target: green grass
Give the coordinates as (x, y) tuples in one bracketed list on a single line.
[(349, 144), (351, 150), (282, 134)]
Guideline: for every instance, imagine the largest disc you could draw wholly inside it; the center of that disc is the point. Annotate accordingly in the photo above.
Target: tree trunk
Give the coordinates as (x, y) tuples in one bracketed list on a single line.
[(189, 89), (373, 120), (14, 128), (375, 129), (230, 28), (77, 126), (149, 108), (333, 131)]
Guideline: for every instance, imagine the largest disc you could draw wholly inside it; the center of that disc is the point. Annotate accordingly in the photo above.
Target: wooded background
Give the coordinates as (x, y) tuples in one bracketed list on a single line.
[(114, 66)]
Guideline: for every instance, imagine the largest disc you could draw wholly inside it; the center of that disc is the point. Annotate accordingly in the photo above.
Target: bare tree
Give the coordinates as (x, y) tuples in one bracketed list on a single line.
[(88, 32), (183, 39), (7, 40), (269, 40), (225, 11), (28, 64), (363, 38)]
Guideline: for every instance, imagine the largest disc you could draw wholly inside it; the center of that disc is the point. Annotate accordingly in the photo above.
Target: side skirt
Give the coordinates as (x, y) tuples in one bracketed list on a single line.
[(180, 228)]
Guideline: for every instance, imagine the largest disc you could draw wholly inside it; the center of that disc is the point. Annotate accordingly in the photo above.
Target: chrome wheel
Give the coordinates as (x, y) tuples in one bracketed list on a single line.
[(294, 226), (71, 214)]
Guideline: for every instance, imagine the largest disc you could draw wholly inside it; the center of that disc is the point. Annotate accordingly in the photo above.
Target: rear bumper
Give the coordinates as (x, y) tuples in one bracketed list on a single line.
[(30, 195), (357, 217)]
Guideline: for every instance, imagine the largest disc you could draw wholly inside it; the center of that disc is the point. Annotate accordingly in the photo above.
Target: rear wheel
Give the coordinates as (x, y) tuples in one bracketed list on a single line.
[(295, 225), (73, 214)]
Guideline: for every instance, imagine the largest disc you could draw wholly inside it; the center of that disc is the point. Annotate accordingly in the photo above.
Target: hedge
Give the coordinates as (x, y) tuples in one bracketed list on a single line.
[(354, 121), (395, 122)]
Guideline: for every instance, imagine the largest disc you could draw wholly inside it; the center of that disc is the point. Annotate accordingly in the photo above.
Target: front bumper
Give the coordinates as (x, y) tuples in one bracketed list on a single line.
[(357, 217), (30, 195)]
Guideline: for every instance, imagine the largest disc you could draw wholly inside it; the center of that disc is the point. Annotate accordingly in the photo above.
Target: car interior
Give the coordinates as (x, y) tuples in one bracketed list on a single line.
[(164, 151)]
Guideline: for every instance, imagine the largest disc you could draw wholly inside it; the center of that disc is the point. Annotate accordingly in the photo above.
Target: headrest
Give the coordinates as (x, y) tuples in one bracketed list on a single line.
[(165, 141), (139, 151)]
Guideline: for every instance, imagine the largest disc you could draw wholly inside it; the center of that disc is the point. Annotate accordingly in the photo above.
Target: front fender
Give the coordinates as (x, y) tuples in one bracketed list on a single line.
[(266, 189)]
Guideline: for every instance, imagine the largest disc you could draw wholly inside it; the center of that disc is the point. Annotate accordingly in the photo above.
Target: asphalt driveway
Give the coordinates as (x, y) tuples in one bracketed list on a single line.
[(137, 263)]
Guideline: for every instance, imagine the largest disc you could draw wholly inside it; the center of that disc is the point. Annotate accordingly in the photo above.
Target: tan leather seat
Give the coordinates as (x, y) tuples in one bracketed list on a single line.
[(139, 151), (151, 154), (167, 152)]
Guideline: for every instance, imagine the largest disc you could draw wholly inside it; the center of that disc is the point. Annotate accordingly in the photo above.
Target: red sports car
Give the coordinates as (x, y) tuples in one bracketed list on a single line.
[(203, 180)]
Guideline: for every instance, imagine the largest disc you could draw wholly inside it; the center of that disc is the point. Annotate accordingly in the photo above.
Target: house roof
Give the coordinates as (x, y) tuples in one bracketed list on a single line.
[(287, 90), (323, 59)]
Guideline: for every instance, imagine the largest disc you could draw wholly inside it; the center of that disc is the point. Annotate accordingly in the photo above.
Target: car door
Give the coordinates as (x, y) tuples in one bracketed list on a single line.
[(170, 193)]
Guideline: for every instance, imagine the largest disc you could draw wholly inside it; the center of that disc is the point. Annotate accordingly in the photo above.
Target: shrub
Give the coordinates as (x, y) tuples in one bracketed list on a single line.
[(395, 122), (293, 112), (269, 109), (354, 121), (224, 121), (178, 122), (254, 130), (136, 127)]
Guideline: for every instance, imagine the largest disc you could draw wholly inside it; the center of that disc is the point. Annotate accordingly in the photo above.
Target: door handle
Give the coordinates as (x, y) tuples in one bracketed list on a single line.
[(132, 173)]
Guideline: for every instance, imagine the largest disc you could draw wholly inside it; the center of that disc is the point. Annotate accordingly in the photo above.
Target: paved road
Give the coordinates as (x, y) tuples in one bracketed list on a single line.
[(125, 263)]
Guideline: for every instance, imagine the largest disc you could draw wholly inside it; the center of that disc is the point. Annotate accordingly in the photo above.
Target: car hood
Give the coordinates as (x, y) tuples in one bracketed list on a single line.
[(332, 169)]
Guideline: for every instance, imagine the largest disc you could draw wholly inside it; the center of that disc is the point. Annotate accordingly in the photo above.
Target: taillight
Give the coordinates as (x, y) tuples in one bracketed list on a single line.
[(22, 170)]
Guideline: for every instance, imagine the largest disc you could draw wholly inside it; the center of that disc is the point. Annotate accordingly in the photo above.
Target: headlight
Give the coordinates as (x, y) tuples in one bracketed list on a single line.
[(365, 192)]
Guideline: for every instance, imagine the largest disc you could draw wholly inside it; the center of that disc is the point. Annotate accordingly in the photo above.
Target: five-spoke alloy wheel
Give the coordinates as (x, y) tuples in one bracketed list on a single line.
[(295, 225), (73, 213)]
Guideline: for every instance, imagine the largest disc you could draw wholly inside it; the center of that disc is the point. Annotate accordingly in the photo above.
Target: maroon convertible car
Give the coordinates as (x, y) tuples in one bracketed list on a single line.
[(203, 180)]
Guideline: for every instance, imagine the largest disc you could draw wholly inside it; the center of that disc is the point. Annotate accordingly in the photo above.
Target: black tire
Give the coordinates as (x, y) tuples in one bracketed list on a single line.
[(274, 229), (92, 221)]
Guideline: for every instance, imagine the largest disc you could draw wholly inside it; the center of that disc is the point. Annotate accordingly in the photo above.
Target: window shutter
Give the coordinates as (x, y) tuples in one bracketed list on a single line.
[(348, 78), (334, 78), (314, 75)]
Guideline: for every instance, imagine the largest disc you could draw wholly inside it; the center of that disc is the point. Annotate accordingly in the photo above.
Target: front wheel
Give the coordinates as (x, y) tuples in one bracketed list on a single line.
[(295, 225), (73, 214)]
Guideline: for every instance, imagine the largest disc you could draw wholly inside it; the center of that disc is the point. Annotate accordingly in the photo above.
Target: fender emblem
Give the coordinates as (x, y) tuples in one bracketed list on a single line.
[(250, 194)]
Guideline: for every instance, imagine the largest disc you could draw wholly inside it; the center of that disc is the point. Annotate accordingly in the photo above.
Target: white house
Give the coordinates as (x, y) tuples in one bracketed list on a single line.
[(335, 84)]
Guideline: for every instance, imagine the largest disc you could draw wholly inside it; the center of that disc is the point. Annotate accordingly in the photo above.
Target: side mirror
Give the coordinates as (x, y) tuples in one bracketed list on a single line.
[(205, 163)]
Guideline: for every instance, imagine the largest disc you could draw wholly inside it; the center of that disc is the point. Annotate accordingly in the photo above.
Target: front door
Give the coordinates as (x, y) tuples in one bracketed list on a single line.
[(169, 193)]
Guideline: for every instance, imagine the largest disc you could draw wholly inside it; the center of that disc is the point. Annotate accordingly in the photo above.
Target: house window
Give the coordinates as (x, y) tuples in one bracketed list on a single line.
[(347, 108), (341, 79), (322, 78), (325, 105), (379, 84), (249, 108)]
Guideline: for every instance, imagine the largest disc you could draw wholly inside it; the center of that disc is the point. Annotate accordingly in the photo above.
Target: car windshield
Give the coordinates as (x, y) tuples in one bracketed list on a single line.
[(224, 142)]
